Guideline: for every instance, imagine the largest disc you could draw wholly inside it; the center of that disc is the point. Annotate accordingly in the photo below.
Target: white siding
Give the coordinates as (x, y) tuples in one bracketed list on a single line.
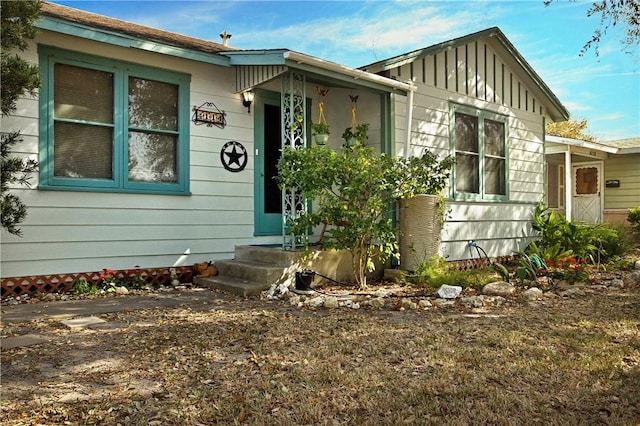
[(67, 231), (480, 79)]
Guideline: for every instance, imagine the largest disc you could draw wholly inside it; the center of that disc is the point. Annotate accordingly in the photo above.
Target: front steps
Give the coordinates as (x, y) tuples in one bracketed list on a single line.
[(253, 270)]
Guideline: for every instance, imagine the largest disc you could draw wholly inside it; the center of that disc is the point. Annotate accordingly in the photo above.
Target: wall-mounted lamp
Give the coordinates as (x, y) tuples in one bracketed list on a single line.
[(247, 99)]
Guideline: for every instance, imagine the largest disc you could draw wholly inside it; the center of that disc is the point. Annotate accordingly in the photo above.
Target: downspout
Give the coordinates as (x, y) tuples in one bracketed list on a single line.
[(407, 142)]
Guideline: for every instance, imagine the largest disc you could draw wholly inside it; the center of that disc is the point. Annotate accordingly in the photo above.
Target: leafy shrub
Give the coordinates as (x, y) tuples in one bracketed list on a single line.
[(634, 219), (358, 187), (83, 287), (437, 271), (595, 243)]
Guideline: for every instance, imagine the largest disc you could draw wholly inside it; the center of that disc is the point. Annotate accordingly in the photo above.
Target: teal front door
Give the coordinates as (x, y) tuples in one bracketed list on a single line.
[(268, 141)]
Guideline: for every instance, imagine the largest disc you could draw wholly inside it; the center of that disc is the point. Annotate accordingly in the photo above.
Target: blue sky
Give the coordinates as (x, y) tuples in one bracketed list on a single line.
[(605, 90)]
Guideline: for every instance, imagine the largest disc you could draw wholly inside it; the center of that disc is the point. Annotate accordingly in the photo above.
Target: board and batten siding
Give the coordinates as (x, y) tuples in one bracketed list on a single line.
[(68, 231), (474, 75)]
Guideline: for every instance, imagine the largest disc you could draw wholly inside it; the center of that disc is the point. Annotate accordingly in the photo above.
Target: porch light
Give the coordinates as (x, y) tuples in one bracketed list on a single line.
[(247, 99)]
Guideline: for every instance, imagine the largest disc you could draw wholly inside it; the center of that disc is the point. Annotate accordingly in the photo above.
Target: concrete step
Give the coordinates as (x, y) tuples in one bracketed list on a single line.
[(252, 271), (232, 285), (267, 254)]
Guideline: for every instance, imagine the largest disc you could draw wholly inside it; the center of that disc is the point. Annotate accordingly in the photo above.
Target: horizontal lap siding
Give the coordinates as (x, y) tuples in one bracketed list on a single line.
[(475, 75), (500, 229), (624, 168), (68, 231)]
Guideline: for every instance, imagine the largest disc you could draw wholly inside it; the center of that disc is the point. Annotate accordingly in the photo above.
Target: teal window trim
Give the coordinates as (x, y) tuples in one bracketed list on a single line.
[(481, 115), (49, 57)]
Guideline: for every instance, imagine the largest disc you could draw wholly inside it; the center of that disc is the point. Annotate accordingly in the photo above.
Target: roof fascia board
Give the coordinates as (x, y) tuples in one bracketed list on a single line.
[(583, 144), (326, 69), (109, 37), (259, 57)]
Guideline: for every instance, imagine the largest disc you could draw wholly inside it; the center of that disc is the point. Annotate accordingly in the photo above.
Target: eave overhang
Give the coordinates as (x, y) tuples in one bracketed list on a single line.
[(89, 32), (318, 69)]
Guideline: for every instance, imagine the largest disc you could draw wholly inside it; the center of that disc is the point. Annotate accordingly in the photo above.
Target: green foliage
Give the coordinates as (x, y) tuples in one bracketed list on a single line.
[(320, 128), (593, 242), (83, 287), (18, 76), (357, 135), (13, 171), (501, 270), (358, 187), (437, 271), (634, 219)]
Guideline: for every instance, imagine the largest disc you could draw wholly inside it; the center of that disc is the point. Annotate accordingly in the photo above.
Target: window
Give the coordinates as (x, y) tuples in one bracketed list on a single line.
[(555, 186), (112, 126), (479, 145)]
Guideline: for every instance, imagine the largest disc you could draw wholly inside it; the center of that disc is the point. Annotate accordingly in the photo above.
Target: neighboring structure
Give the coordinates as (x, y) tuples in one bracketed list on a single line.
[(478, 99), (149, 156), (604, 178)]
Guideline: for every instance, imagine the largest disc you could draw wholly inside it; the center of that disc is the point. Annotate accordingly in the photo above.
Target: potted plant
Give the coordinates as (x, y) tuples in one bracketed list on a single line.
[(356, 135), (320, 132)]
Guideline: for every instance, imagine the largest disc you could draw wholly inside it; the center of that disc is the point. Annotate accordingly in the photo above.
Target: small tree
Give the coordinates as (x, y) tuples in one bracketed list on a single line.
[(357, 188), (17, 79), (570, 129)]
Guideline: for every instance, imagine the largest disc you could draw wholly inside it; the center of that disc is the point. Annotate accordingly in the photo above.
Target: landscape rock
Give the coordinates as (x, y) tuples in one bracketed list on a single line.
[(632, 279), (598, 287), (575, 291), (122, 290), (616, 283), (441, 303), (498, 288), (532, 294), (331, 302), (377, 303), (316, 302), (408, 304), (473, 301), (294, 300), (424, 303), (448, 291)]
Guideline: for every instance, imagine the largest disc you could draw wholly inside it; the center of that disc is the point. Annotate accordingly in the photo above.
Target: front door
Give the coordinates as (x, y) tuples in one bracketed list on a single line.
[(268, 141), (587, 182)]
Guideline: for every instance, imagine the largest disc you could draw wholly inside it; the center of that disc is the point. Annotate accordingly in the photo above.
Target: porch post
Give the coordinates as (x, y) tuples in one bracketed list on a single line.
[(568, 184), (294, 129)]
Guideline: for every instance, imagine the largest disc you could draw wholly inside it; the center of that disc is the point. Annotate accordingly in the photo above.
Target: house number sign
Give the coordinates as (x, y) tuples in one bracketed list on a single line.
[(209, 114), (234, 156)]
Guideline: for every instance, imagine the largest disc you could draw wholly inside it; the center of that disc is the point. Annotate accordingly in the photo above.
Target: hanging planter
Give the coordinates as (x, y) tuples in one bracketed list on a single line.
[(356, 135), (320, 133), (320, 130)]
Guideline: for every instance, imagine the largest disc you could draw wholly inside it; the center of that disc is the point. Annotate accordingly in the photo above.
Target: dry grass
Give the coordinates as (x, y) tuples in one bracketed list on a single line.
[(559, 361)]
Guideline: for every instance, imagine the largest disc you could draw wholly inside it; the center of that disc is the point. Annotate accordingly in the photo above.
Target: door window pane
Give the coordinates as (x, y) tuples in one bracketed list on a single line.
[(587, 181)]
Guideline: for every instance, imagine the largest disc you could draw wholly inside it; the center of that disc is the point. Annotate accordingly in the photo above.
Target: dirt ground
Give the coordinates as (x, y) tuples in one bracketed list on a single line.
[(570, 360)]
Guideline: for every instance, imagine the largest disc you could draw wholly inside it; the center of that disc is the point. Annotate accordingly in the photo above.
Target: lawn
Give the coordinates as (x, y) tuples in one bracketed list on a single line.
[(564, 361)]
